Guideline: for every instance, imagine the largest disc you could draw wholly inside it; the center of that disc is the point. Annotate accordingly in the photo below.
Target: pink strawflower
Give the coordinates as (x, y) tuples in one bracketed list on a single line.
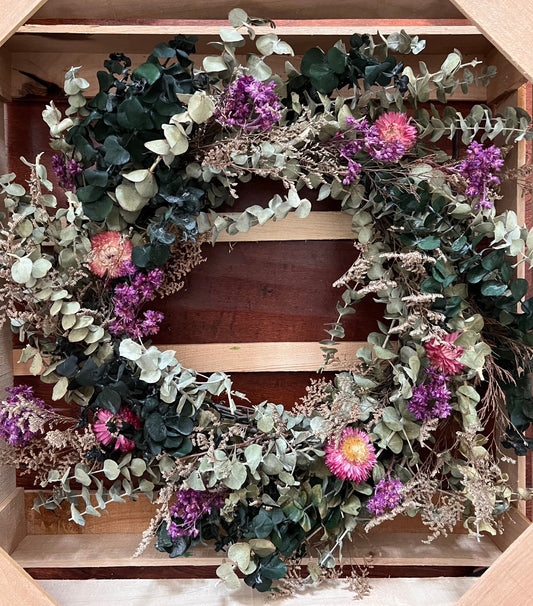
[(353, 457), (110, 254), (390, 137), (108, 425), (444, 355)]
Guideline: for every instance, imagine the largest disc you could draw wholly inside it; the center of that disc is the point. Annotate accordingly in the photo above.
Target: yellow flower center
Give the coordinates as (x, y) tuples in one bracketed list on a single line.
[(355, 449)]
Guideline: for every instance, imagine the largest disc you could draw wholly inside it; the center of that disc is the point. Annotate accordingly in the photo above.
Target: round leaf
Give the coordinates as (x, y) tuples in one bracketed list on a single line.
[(21, 270)]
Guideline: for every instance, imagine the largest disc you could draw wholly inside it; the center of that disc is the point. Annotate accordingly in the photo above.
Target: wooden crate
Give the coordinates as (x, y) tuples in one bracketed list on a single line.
[(49, 547)]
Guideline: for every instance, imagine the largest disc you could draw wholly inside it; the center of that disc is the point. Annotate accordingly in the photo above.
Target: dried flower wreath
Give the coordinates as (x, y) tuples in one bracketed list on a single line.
[(145, 164)]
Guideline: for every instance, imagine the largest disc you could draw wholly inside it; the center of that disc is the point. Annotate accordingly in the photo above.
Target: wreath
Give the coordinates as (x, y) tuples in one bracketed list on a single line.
[(418, 422)]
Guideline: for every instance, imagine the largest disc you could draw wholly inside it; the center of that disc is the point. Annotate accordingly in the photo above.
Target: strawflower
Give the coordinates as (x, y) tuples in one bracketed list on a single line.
[(444, 355), (110, 254), (353, 457), (22, 416), (108, 426), (390, 137), (190, 507), (387, 496), (249, 104)]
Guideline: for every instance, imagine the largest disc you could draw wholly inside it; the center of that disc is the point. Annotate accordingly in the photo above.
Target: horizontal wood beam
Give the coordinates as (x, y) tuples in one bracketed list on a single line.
[(246, 357), (284, 27), (385, 549), (328, 225)]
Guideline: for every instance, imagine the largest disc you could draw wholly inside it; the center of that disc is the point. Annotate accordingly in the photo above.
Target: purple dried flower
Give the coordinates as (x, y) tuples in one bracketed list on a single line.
[(249, 104), (387, 496), (478, 169), (432, 399), (128, 300), (65, 171), (190, 507), (17, 412)]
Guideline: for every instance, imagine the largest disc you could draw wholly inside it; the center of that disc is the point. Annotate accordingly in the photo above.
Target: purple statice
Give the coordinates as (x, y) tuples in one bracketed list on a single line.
[(190, 507), (65, 171), (21, 416), (432, 399), (128, 300), (387, 496), (249, 104), (478, 169)]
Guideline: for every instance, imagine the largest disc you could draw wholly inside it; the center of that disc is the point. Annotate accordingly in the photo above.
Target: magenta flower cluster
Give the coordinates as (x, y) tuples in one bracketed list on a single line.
[(15, 427), (190, 507), (249, 104), (387, 496), (387, 140), (65, 171), (478, 169), (128, 300), (431, 400)]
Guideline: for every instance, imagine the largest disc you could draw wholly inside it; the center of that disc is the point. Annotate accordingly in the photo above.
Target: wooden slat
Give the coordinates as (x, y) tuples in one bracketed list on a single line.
[(508, 581), (246, 357), (507, 80), (133, 517), (284, 27), (507, 25), (385, 549), (316, 226), (192, 592), (14, 14), (17, 587), (275, 9), (12, 520)]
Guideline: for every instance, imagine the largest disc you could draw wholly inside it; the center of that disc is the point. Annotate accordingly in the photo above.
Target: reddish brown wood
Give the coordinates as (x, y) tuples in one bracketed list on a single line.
[(208, 572)]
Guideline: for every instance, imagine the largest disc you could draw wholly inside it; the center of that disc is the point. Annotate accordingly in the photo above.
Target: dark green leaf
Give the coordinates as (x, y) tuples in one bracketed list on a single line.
[(114, 152), (109, 399), (429, 243), (99, 210), (155, 427), (146, 71), (493, 288)]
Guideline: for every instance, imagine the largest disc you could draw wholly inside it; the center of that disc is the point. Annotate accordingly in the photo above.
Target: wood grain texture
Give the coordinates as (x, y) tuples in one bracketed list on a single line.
[(12, 520), (14, 14), (508, 79), (284, 27), (249, 357), (507, 25), (17, 587), (385, 549), (508, 581), (135, 516), (412, 592), (275, 9)]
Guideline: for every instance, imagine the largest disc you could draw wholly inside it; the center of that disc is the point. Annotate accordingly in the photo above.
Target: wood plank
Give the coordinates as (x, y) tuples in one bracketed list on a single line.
[(275, 9), (5, 79), (508, 581), (134, 517), (247, 357), (317, 226), (191, 592), (507, 80), (507, 25), (385, 549), (14, 14), (17, 587), (12, 520), (284, 27), (515, 524)]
